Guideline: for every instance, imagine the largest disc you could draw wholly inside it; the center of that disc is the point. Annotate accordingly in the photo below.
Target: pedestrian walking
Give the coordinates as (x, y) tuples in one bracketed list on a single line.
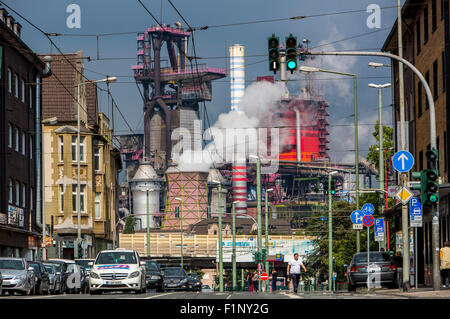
[(248, 279), (274, 280), (293, 270), (255, 280), (445, 264)]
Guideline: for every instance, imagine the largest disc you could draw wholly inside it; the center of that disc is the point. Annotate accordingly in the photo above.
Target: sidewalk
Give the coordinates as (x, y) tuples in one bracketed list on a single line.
[(419, 293)]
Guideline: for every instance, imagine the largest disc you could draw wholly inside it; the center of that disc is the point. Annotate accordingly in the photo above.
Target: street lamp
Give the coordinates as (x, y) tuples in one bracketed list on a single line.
[(380, 140), (375, 65), (107, 80), (266, 201), (181, 227), (330, 233), (309, 69), (258, 208), (219, 206)]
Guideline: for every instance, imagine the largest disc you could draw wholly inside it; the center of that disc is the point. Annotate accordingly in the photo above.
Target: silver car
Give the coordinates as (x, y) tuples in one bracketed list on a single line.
[(17, 275), (55, 278)]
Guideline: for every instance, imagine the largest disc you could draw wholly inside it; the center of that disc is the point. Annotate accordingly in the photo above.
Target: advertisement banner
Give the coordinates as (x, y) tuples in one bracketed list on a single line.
[(15, 216)]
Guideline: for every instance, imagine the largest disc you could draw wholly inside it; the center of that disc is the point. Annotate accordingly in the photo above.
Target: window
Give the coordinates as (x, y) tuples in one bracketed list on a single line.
[(97, 158), (97, 206), (427, 78), (31, 147), (74, 148), (435, 80), (433, 16), (61, 198), (421, 160), (20, 142), (23, 90), (419, 99), (443, 71), (418, 41), (61, 148), (16, 133), (16, 85), (10, 191), (10, 80), (10, 135), (17, 193), (31, 198), (74, 197), (24, 143), (425, 24), (24, 195)]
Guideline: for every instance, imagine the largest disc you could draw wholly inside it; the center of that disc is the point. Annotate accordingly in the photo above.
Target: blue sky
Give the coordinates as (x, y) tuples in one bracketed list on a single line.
[(110, 16)]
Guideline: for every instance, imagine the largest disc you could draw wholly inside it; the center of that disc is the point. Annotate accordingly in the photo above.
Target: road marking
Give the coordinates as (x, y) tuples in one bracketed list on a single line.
[(38, 297), (228, 296)]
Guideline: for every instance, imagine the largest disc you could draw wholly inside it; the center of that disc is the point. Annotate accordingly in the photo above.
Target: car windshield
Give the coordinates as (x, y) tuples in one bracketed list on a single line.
[(174, 272), (49, 269), (374, 257), (12, 264), (151, 266), (84, 263), (116, 257), (58, 267), (72, 268), (35, 268)]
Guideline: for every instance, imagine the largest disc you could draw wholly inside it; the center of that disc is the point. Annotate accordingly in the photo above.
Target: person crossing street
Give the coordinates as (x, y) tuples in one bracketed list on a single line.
[(293, 270)]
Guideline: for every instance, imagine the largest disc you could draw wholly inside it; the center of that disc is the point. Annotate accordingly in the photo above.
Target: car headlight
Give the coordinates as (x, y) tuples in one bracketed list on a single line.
[(155, 277), (134, 274), (94, 275), (183, 281)]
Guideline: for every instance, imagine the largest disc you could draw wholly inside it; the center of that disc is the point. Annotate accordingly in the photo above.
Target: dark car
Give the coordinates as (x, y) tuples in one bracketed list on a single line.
[(175, 278), (84, 280), (154, 276), (87, 264), (194, 283), (382, 270), (55, 278), (41, 278), (61, 266)]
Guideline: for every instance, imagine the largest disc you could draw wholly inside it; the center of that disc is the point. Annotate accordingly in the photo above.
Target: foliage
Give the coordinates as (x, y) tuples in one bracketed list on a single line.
[(129, 225), (373, 155)]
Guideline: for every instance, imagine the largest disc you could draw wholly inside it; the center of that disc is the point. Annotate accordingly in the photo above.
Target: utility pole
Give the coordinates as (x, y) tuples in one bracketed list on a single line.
[(148, 228), (233, 212), (266, 200), (219, 206), (330, 236), (258, 206)]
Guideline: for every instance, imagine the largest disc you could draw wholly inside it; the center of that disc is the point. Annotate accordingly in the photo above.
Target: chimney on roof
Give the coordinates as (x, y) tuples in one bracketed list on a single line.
[(17, 28), (3, 15), (9, 22)]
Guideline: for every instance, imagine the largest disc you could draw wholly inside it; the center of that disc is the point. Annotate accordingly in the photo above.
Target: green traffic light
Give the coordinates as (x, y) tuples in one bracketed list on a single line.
[(433, 198), (292, 65)]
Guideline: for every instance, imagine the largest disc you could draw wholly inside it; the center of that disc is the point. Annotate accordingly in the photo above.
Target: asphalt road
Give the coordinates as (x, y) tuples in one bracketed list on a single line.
[(211, 295)]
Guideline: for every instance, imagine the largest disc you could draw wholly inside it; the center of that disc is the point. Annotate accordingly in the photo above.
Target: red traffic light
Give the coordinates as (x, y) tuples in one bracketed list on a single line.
[(274, 43), (432, 175), (291, 42), (432, 155)]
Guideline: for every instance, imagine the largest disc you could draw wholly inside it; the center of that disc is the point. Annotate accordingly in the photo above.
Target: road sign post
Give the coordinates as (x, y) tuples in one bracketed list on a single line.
[(368, 221)]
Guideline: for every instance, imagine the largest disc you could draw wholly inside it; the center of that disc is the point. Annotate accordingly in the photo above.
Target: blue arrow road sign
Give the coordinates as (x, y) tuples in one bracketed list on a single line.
[(357, 217), (403, 161), (368, 209)]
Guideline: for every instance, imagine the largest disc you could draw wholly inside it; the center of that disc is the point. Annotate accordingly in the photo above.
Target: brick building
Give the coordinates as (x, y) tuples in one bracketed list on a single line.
[(426, 39), (20, 71)]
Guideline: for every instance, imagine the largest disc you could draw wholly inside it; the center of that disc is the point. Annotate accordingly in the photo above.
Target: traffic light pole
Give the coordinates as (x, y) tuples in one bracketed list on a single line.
[(330, 237), (219, 189), (233, 212), (433, 144)]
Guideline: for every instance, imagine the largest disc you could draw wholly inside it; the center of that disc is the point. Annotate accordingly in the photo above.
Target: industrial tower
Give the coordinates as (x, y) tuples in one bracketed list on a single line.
[(172, 92)]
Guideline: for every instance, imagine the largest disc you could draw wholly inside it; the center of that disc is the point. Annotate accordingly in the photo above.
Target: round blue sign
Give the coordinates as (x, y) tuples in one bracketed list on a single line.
[(403, 161), (357, 217), (368, 209)]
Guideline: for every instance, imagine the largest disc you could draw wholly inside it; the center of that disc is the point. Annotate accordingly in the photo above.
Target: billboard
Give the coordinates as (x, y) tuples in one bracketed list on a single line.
[(15, 216)]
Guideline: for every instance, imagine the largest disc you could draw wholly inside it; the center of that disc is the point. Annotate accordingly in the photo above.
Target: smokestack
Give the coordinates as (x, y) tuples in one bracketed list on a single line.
[(237, 75), (239, 167)]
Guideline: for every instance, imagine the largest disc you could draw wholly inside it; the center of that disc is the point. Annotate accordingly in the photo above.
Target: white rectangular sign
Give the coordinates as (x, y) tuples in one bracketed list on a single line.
[(357, 226)]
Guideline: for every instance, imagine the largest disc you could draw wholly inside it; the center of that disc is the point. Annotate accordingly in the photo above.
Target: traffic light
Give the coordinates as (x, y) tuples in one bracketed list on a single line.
[(177, 212), (274, 53), (291, 53), (429, 185), (264, 255), (256, 257), (325, 187), (432, 177), (333, 187), (80, 250)]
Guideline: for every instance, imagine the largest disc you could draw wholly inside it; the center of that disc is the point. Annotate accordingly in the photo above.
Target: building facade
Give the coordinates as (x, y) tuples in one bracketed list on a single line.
[(426, 36), (21, 71), (100, 163)]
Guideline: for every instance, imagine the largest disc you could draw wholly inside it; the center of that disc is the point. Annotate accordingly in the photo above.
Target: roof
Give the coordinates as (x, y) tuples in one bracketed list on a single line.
[(409, 11)]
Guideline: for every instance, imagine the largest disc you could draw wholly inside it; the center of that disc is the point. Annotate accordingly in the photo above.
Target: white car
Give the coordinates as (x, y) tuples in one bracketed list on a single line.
[(117, 270)]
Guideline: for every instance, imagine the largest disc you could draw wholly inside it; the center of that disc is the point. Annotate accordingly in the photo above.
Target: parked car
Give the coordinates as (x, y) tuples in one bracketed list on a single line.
[(194, 283), (55, 278), (41, 278), (175, 278), (118, 269), (154, 276), (381, 268), (76, 279), (206, 288), (61, 266), (17, 276), (86, 264), (84, 280), (1, 283)]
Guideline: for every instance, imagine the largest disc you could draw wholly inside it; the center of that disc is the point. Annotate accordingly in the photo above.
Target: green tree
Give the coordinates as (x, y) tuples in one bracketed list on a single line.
[(373, 155), (129, 225)]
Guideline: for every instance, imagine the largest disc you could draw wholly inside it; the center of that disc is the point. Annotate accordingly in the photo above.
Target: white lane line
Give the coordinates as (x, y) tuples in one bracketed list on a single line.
[(39, 297), (162, 295)]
